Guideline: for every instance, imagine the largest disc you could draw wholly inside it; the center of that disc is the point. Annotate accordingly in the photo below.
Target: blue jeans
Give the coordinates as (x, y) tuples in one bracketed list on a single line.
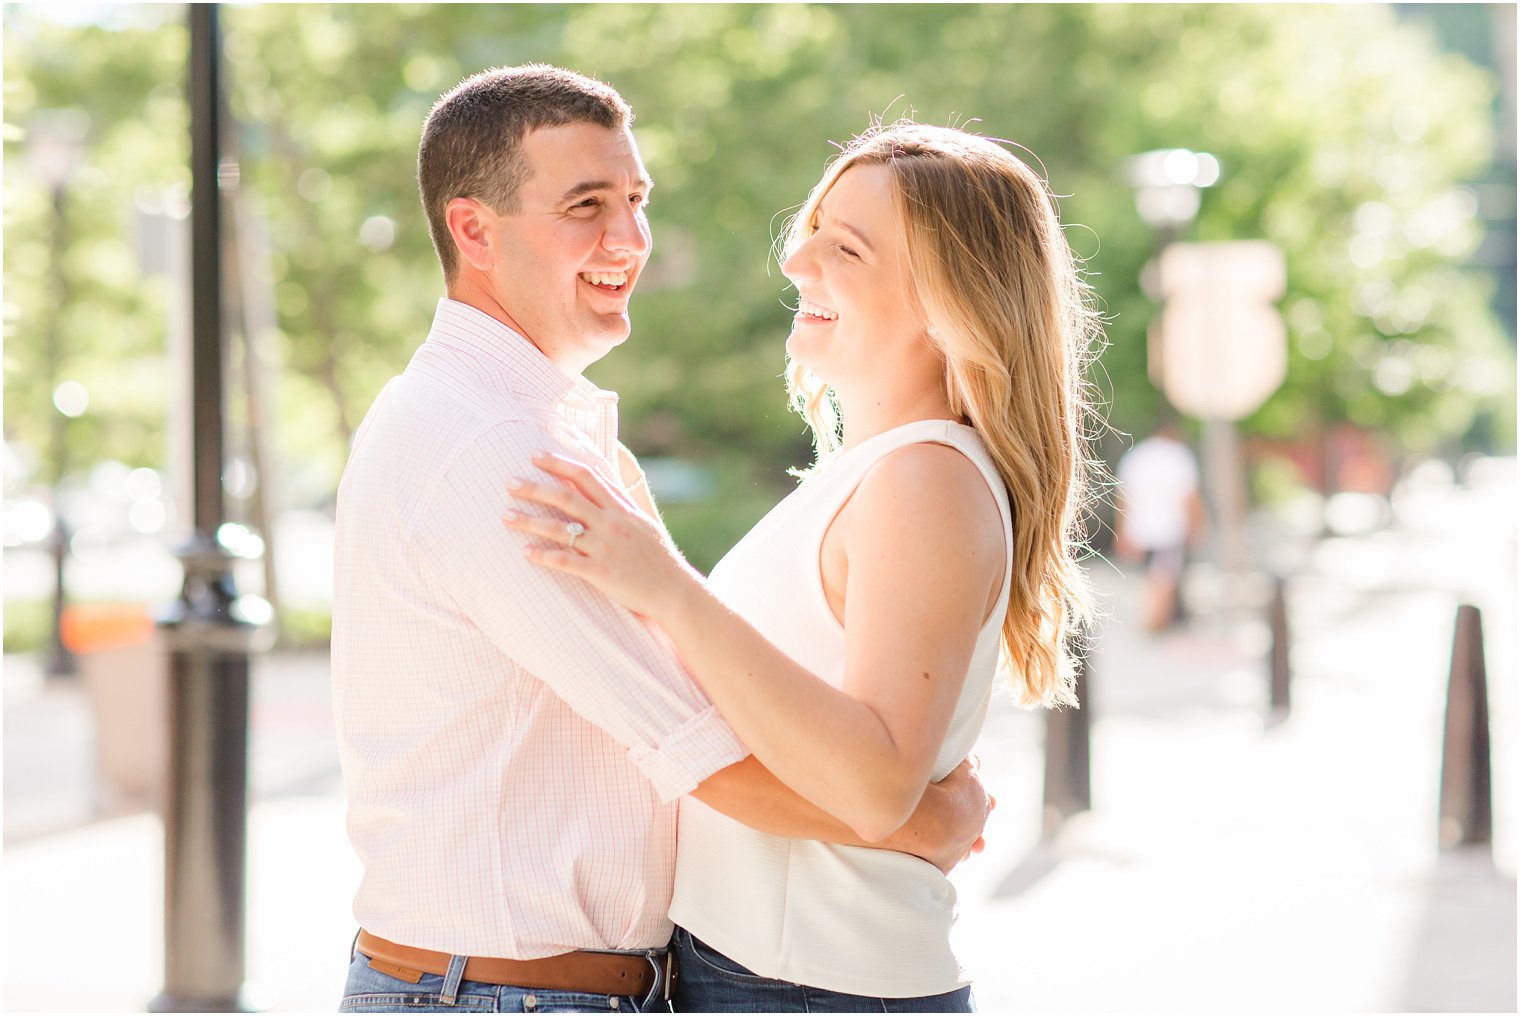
[(708, 981), (369, 990)]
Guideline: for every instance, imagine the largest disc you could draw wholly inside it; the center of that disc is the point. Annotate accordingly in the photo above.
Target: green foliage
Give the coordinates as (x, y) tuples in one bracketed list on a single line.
[(1344, 137), (304, 627), (28, 625), (84, 312), (742, 492)]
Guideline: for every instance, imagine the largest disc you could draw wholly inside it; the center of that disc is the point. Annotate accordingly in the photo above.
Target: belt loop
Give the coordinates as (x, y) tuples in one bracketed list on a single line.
[(353, 947), (449, 994), (660, 991)]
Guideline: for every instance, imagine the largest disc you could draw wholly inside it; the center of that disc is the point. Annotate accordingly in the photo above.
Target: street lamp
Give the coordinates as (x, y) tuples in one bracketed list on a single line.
[(1167, 182), (55, 147)]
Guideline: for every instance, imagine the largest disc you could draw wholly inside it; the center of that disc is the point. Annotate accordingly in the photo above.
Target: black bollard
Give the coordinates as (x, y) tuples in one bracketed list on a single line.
[(1466, 774), (1280, 672), (1068, 756), (205, 809)]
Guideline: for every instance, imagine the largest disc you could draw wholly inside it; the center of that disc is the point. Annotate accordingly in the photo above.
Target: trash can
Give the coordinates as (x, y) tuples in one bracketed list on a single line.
[(125, 673)]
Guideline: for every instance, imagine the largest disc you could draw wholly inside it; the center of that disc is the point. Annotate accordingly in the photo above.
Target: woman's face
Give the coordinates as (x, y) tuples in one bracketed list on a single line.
[(857, 311)]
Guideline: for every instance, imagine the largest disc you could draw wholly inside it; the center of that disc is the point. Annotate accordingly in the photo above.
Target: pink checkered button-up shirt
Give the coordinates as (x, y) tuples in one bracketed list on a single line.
[(512, 742)]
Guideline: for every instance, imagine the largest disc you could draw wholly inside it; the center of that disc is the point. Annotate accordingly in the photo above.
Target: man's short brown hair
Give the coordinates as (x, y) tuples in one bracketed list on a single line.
[(472, 140)]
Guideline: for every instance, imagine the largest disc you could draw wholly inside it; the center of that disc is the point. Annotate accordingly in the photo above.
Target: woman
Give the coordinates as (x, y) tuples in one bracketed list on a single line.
[(851, 638)]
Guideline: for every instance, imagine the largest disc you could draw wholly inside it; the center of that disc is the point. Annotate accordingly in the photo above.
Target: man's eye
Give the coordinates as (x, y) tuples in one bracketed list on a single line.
[(639, 200), (588, 203)]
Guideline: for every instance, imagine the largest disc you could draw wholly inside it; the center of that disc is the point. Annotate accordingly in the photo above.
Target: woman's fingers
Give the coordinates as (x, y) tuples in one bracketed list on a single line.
[(565, 561), (563, 558), (583, 478), (554, 495), (546, 527), (566, 500)]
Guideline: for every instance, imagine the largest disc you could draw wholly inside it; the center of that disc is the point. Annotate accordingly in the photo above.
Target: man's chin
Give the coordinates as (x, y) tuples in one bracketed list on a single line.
[(612, 329)]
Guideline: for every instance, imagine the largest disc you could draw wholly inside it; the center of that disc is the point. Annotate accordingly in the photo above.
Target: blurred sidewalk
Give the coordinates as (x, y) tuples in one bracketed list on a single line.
[(1232, 865), (1227, 865)]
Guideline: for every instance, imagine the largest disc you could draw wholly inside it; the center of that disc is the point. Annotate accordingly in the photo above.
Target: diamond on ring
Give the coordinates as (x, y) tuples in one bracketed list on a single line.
[(574, 529)]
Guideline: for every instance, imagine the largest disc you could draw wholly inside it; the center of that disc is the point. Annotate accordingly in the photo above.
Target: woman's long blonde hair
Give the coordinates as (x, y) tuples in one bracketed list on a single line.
[(1008, 312)]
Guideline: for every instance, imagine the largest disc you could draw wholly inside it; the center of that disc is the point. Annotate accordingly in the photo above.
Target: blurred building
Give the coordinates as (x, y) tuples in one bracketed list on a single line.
[(1485, 34)]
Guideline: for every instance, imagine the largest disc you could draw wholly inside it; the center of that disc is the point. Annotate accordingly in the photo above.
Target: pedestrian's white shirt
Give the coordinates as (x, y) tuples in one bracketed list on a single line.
[(512, 742), (1157, 477)]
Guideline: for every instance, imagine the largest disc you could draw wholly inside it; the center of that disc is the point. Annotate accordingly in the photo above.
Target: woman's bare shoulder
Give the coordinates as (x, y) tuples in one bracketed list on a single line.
[(933, 490)]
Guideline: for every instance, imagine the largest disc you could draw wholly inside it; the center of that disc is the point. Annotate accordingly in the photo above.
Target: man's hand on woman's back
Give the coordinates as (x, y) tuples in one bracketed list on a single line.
[(948, 824)]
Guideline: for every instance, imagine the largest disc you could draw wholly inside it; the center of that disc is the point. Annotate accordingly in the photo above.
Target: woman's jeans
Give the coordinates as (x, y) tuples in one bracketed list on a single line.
[(708, 981), (369, 990)]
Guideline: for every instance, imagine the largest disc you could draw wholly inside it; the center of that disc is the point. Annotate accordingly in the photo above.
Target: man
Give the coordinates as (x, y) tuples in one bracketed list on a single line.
[(1160, 513), (512, 742)]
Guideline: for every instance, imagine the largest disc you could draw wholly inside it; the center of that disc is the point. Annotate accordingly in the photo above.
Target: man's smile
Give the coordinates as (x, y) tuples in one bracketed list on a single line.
[(611, 282)]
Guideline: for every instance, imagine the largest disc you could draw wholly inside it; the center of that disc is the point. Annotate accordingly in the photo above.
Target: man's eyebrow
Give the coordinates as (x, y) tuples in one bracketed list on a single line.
[(592, 186)]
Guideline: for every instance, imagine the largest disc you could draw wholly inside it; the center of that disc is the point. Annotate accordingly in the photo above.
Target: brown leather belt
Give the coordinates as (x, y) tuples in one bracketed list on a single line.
[(592, 972)]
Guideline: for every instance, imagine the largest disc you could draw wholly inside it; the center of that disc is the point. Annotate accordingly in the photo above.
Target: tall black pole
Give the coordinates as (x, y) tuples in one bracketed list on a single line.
[(205, 813), (207, 381)]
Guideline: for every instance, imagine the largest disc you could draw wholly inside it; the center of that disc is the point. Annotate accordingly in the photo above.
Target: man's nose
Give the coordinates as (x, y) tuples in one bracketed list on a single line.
[(628, 232)]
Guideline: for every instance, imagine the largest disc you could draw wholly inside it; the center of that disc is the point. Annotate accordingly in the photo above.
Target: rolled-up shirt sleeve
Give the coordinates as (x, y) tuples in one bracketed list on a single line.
[(611, 667)]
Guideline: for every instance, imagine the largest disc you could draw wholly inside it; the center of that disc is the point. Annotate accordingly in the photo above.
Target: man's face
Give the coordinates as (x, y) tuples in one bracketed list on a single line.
[(570, 255)]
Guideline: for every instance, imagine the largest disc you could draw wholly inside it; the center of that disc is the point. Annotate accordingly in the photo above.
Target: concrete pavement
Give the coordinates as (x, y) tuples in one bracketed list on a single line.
[(1228, 864)]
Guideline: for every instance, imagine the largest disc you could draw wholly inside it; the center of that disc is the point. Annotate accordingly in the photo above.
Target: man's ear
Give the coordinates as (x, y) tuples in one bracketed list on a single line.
[(469, 224)]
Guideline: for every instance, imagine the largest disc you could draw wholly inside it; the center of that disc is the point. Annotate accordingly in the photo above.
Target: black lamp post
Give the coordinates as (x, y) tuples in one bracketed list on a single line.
[(209, 631)]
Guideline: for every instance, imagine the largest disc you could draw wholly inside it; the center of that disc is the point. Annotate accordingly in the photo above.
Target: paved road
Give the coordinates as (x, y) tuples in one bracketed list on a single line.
[(1228, 864)]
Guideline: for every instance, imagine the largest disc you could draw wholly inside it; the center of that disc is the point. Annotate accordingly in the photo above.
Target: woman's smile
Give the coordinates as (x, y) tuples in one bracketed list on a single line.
[(809, 312)]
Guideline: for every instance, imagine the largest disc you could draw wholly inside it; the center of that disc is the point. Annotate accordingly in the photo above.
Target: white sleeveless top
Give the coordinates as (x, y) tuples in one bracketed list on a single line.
[(851, 919)]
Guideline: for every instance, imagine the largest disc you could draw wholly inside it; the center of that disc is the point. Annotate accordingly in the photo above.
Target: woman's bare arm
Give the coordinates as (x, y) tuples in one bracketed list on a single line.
[(944, 828), (924, 547)]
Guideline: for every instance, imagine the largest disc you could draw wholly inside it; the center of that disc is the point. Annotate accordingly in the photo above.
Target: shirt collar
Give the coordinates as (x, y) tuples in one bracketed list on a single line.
[(509, 360)]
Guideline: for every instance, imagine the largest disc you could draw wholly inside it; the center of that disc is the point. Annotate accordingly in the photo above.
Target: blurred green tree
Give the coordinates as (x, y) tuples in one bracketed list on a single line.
[(108, 333), (1344, 136)]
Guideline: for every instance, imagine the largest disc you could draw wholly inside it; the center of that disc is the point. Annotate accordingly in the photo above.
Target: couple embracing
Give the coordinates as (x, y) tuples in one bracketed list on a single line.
[(534, 690)]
